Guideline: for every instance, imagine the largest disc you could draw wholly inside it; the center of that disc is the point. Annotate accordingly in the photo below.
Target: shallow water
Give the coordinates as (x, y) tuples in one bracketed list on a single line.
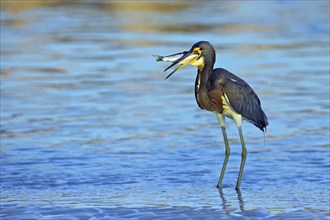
[(90, 130)]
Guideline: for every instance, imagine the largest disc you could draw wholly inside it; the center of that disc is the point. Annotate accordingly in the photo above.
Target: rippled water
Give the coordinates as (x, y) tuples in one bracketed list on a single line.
[(90, 130)]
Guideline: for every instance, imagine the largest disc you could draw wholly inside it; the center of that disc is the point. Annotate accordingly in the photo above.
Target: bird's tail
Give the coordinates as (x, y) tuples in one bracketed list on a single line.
[(262, 123)]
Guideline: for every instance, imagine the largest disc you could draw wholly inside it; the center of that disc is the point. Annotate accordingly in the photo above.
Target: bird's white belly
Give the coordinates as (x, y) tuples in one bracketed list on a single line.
[(229, 112)]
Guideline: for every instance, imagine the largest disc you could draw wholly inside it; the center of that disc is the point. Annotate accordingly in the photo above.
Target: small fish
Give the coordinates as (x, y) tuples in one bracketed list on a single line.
[(170, 58)]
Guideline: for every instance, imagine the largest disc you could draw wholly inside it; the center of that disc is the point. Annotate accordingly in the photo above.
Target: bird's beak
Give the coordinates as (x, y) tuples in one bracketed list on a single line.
[(187, 58)]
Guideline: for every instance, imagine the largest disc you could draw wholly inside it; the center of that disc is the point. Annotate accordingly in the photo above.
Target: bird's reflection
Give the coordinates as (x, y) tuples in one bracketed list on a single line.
[(227, 206)]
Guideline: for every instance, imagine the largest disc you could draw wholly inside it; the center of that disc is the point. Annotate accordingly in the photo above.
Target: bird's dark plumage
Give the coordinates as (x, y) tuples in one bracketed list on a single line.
[(211, 84), (241, 96)]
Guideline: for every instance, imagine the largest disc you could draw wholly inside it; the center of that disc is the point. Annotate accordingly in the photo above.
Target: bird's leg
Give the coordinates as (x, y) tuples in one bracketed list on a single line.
[(221, 120), (244, 154)]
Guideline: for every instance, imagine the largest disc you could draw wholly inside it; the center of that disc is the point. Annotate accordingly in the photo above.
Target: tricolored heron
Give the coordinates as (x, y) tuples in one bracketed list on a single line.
[(221, 92)]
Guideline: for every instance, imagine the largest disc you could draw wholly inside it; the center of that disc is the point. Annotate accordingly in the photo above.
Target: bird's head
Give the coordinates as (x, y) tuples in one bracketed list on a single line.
[(200, 54)]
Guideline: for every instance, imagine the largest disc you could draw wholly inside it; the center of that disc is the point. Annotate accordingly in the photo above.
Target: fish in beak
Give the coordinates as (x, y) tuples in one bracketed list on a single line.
[(170, 58), (183, 58)]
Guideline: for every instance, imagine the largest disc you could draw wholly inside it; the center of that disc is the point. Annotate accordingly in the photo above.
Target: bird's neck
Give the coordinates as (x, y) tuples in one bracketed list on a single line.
[(203, 74)]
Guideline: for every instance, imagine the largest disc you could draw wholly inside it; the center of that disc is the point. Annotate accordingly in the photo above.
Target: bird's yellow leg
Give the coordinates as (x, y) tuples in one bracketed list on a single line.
[(244, 154), (221, 120)]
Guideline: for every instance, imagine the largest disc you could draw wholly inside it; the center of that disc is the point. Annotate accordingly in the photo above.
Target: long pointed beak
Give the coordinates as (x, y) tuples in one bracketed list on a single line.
[(183, 61)]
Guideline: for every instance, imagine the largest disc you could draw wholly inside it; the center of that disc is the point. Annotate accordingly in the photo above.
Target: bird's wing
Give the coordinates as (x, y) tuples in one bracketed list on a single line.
[(243, 100)]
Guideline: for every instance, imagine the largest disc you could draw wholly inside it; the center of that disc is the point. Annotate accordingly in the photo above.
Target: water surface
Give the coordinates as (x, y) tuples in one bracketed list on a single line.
[(90, 130)]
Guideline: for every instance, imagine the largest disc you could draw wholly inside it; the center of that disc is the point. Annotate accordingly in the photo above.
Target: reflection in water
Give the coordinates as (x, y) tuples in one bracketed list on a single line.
[(227, 206), (240, 199)]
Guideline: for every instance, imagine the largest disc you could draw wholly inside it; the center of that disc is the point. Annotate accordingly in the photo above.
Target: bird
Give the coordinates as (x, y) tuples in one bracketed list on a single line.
[(223, 93)]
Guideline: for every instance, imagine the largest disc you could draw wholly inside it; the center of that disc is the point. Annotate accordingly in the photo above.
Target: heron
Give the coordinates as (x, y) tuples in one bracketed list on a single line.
[(223, 93)]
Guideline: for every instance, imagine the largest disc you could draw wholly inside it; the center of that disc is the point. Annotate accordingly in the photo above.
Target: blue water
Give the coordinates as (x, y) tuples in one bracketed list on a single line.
[(90, 130)]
